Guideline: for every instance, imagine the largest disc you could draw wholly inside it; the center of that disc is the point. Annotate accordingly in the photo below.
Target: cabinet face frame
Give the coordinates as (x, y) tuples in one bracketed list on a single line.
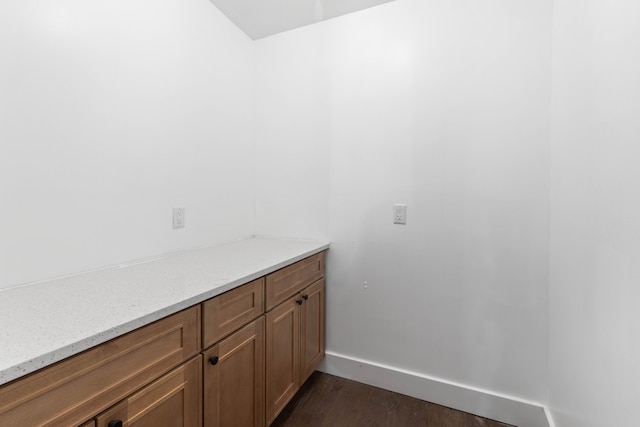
[(234, 386), (175, 399)]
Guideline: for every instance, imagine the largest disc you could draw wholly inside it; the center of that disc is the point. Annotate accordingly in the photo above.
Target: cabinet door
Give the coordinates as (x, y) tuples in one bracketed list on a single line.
[(283, 355), (311, 329), (173, 400), (234, 379)]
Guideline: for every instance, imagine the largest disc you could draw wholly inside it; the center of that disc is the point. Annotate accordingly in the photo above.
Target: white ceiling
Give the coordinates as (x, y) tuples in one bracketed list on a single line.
[(262, 18)]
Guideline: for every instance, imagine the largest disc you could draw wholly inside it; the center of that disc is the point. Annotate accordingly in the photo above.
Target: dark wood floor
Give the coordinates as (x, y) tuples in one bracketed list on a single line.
[(329, 401)]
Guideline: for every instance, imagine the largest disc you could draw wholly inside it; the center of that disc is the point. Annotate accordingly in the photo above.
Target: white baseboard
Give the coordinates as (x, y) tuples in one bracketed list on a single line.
[(486, 404)]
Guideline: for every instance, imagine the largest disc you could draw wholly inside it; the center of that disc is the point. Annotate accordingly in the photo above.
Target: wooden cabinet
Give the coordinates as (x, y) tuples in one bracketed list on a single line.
[(173, 400), (234, 379), (294, 345), (283, 355), (238, 389), (72, 391), (290, 280), (234, 367), (311, 329), (155, 376)]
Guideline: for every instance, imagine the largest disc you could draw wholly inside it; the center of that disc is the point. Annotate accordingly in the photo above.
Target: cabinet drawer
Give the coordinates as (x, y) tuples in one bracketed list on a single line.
[(173, 400), (230, 311), (74, 390), (285, 282)]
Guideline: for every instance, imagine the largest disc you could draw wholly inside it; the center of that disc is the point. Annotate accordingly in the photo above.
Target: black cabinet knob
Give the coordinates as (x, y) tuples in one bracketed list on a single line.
[(213, 360), (115, 423), (299, 302), (306, 297)]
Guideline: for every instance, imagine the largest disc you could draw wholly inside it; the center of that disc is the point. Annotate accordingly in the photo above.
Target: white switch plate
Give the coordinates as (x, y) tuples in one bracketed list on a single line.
[(399, 213), (178, 217)]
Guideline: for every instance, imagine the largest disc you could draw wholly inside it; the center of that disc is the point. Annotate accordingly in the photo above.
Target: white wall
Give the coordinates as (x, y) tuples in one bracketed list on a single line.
[(111, 114), (595, 212), (443, 106), (293, 134)]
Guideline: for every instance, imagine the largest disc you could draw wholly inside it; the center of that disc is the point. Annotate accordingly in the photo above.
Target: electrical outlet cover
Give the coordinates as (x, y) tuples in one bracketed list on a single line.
[(178, 217), (400, 213)]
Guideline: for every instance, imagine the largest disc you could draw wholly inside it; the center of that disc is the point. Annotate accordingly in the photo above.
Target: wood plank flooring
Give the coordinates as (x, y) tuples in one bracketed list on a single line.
[(329, 401)]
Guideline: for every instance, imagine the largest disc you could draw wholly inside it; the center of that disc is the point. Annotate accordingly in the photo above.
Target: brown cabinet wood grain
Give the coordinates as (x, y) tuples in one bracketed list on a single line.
[(283, 356), (227, 312), (294, 345), (311, 329), (76, 389), (173, 400), (290, 280), (154, 375), (234, 379)]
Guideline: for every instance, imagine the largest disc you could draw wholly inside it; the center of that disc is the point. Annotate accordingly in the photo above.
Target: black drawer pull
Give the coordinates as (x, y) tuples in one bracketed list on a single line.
[(115, 423), (306, 297), (213, 360), (299, 302)]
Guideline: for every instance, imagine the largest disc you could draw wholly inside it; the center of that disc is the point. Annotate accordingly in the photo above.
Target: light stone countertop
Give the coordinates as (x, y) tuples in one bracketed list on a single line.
[(46, 322)]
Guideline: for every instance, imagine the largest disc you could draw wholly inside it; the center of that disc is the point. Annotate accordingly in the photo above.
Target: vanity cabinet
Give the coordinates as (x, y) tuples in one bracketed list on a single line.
[(294, 330)]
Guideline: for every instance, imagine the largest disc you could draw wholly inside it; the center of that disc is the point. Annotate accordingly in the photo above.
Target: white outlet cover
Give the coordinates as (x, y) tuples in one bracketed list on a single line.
[(178, 218), (400, 213)]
